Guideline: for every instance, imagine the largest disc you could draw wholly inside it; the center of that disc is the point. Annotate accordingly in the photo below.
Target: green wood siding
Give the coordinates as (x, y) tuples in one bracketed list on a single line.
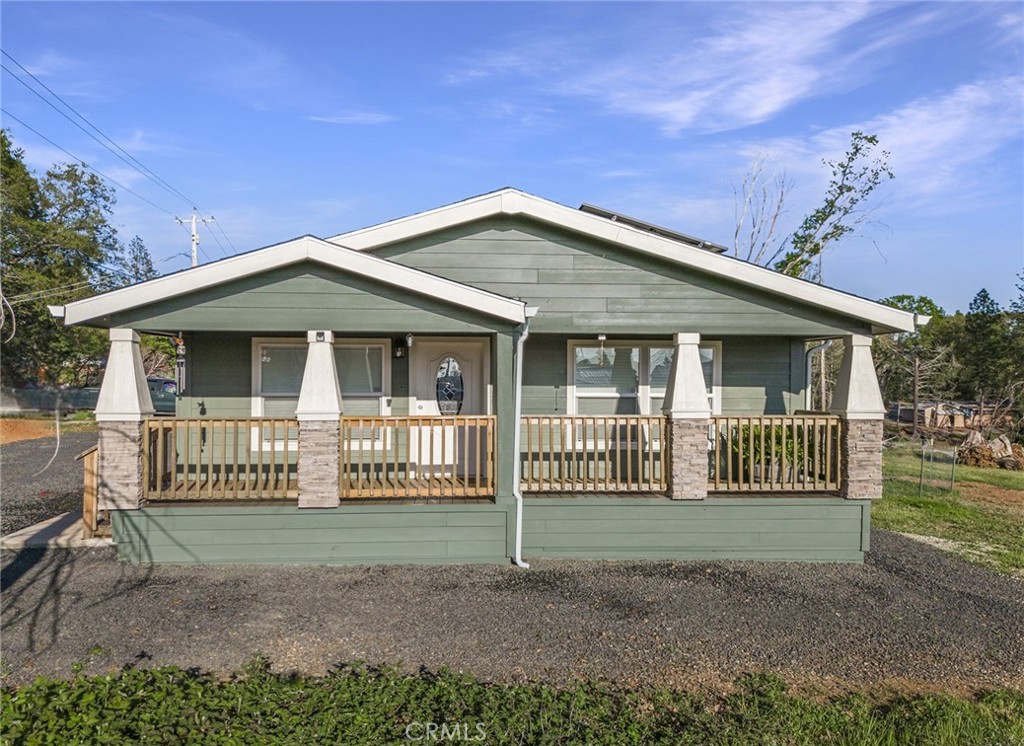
[(544, 374), (769, 528), (751, 528), (587, 286), (758, 376), (218, 376), (363, 534), (306, 296)]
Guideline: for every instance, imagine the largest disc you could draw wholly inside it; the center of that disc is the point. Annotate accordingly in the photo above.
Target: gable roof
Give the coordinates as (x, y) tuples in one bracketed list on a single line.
[(512, 202), (306, 248)]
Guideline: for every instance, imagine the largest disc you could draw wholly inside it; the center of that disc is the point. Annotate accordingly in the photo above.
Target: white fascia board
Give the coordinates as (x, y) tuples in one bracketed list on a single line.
[(291, 252), (882, 318), (186, 281), (421, 223)]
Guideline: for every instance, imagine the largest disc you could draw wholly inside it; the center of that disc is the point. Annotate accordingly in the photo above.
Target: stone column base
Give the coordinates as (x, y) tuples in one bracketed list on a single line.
[(120, 477), (319, 462), (687, 446), (862, 459)]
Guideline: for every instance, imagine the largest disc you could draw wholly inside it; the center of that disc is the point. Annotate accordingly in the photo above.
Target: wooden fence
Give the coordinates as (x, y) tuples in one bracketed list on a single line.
[(402, 457), (799, 453), (577, 453), (220, 459)]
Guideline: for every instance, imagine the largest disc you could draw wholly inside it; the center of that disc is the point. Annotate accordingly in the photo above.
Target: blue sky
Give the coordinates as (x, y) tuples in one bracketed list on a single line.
[(289, 118)]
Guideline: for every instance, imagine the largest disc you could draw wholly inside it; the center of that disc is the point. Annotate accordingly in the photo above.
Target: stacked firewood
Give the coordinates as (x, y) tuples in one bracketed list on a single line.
[(998, 452)]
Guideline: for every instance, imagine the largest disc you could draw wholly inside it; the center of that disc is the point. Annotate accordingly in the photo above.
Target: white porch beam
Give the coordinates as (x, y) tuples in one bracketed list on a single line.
[(124, 393)]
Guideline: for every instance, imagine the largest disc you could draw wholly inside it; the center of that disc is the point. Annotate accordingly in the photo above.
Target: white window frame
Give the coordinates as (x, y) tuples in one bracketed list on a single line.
[(645, 392), (715, 396), (258, 397)]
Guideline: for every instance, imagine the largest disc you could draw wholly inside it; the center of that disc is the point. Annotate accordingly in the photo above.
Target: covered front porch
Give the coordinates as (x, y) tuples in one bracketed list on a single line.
[(325, 485)]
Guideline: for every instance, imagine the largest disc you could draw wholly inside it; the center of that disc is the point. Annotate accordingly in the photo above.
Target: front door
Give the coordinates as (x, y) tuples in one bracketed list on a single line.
[(449, 377)]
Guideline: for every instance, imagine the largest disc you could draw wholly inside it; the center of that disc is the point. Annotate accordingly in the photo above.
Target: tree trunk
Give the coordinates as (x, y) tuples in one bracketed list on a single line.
[(917, 390)]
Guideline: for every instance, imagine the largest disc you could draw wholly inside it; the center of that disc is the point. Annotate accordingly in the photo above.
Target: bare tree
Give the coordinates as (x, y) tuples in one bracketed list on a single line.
[(760, 202)]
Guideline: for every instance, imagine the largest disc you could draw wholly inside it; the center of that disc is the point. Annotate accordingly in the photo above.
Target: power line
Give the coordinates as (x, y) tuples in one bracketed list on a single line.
[(83, 163), (131, 160), (226, 238), (127, 157)]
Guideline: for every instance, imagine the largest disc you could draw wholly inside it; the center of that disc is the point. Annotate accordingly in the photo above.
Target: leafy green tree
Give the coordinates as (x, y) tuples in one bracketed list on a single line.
[(56, 236), (985, 347), (913, 365), (841, 213), (136, 263)]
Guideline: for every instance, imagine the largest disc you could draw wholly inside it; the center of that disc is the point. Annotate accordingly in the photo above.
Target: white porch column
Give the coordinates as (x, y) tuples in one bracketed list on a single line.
[(858, 400), (121, 408), (686, 407), (319, 411)]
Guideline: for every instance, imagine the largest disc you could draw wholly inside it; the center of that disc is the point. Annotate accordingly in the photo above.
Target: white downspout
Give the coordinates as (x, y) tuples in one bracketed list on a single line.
[(808, 363), (517, 556)]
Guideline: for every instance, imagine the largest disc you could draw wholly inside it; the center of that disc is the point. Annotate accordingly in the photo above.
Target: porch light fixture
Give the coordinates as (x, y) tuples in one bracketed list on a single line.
[(398, 348), (408, 340), (320, 337)]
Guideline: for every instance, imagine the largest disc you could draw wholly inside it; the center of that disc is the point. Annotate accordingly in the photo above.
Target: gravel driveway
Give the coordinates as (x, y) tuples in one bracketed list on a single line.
[(910, 615), (28, 499)]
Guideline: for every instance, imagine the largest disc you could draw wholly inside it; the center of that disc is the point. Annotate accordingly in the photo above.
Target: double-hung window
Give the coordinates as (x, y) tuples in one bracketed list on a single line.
[(624, 377), (362, 364)]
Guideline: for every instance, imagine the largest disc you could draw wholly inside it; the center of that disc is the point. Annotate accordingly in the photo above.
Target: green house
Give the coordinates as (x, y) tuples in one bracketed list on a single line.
[(499, 379)]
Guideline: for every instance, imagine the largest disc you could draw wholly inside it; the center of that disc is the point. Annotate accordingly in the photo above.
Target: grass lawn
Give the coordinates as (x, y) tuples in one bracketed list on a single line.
[(982, 518), (361, 706)]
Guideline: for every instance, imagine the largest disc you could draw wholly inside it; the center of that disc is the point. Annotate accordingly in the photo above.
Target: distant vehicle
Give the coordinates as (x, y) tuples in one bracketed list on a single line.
[(163, 392)]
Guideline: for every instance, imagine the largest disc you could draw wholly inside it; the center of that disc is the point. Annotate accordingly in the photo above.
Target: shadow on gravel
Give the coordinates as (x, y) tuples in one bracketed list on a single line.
[(38, 586)]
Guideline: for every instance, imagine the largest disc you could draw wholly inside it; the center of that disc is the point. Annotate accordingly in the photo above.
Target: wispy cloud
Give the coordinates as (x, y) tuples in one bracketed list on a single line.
[(938, 145), (535, 58), (937, 142), (740, 68), (355, 117)]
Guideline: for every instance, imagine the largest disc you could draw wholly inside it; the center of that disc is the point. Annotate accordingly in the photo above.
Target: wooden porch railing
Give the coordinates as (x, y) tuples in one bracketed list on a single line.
[(799, 453), (220, 459), (431, 457), (593, 453), (90, 459)]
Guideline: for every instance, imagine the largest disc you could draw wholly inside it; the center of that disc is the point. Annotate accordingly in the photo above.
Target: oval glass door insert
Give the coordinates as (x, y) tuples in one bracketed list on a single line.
[(449, 387)]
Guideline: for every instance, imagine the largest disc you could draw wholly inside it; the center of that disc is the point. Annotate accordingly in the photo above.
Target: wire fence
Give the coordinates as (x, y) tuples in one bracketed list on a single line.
[(938, 465)]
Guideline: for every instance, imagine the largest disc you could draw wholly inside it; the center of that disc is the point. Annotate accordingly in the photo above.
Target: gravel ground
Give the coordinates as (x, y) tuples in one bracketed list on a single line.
[(25, 499), (911, 617)]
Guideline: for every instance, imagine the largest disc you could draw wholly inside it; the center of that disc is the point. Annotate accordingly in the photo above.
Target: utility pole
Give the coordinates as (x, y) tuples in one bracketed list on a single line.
[(194, 221)]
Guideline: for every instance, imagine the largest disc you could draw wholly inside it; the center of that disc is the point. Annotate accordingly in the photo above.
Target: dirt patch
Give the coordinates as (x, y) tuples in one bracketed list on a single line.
[(13, 430), (992, 495)]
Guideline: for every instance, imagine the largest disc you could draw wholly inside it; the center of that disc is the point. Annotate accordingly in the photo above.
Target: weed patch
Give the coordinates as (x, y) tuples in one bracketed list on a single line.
[(373, 706)]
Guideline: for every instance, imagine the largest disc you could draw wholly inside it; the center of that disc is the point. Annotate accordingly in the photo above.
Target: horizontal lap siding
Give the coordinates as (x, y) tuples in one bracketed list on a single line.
[(305, 296), (757, 376), (348, 535), (826, 530), (584, 285), (544, 375), (218, 381)]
